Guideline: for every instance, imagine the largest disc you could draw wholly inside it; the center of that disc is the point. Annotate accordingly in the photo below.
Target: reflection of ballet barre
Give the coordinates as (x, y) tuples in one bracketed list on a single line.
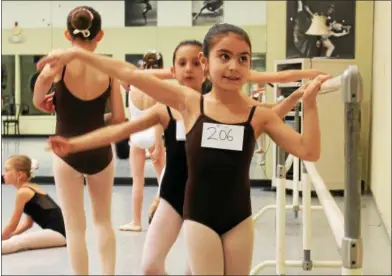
[(345, 227)]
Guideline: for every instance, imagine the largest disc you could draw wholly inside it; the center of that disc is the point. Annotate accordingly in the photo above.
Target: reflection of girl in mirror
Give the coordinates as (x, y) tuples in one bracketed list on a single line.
[(149, 140), (3, 77)]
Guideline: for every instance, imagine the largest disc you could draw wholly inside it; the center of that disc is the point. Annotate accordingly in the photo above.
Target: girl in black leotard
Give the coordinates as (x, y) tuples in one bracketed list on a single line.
[(81, 96), (188, 71), (218, 223), (38, 207), (160, 238)]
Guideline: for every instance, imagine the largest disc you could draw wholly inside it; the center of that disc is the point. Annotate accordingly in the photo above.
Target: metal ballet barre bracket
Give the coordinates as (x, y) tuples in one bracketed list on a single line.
[(346, 226)]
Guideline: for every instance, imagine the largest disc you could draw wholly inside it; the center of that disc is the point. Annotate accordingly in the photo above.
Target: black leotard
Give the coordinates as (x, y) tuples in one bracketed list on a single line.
[(45, 212), (217, 192), (176, 171), (75, 117)]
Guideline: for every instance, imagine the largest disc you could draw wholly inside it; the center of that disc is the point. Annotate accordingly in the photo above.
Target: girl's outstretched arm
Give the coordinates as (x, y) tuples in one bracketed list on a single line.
[(288, 103), (103, 136), (283, 76), (283, 107), (42, 86), (307, 145), (24, 226), (167, 93)]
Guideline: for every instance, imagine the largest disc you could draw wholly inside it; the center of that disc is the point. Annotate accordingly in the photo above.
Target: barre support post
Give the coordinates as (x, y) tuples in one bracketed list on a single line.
[(306, 221), (352, 247), (281, 213), (346, 228), (296, 167)]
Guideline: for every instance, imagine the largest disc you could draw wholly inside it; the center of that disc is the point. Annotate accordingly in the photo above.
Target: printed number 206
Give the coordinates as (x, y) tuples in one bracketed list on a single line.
[(223, 134)]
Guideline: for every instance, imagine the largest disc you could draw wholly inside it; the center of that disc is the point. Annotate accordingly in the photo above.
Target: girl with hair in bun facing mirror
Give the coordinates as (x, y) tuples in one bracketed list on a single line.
[(80, 99)]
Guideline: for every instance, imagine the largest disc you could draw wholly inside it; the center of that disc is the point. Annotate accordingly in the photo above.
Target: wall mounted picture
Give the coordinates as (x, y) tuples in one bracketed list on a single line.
[(320, 29), (140, 13), (207, 12)]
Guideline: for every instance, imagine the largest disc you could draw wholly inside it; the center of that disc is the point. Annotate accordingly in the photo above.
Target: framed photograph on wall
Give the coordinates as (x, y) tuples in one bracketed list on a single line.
[(320, 29), (207, 12), (140, 13)]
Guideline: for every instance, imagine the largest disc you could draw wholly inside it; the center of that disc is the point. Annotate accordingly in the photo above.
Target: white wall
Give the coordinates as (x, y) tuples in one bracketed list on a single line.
[(380, 164), (44, 14), (174, 13), (112, 12), (245, 12), (29, 14), (197, 5)]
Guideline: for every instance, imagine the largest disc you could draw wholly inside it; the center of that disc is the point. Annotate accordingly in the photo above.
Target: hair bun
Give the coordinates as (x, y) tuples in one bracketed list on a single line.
[(34, 165), (151, 58), (81, 21)]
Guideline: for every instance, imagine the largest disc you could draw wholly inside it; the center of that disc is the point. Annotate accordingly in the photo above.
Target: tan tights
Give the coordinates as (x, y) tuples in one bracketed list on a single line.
[(45, 238), (69, 187)]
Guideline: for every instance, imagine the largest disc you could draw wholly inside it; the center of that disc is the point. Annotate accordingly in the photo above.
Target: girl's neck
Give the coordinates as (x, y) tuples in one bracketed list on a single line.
[(226, 96), (84, 45), (20, 184)]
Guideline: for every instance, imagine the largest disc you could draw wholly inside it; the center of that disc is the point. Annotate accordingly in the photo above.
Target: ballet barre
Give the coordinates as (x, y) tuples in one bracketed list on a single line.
[(346, 227)]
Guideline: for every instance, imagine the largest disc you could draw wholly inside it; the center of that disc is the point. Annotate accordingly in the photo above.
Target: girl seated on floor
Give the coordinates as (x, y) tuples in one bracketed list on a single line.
[(36, 204)]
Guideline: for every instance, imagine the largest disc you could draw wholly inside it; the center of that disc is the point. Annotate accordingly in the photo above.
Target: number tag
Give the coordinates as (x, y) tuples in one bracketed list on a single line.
[(180, 131), (222, 136)]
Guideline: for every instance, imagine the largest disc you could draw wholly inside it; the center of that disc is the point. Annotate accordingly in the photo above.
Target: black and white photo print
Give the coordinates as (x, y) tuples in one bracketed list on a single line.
[(320, 29), (140, 13), (207, 12)]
